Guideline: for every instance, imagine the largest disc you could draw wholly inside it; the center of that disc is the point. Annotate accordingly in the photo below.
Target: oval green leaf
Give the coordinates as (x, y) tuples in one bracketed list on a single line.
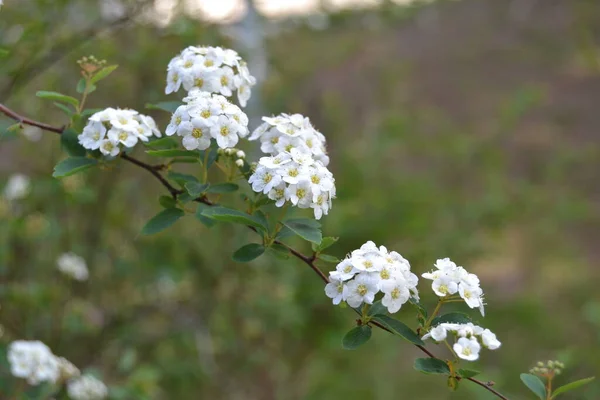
[(572, 386), (377, 308), (162, 221), (235, 216), (356, 337), (70, 143), (195, 189), (55, 96), (399, 328), (432, 366), (248, 252), (72, 165), (307, 229), (103, 73), (467, 373), (223, 188), (535, 385), (172, 153)]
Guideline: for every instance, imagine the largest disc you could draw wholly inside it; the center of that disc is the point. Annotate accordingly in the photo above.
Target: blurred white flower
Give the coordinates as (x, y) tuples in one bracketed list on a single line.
[(211, 70), (73, 266), (86, 387), (33, 360), (368, 271), (17, 187), (32, 133), (67, 369)]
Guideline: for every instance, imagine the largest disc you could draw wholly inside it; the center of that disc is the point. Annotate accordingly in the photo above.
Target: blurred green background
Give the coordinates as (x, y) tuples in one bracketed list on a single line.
[(464, 129)]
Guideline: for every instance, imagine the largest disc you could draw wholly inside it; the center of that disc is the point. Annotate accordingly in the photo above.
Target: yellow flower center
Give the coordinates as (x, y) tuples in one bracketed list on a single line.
[(209, 63), (348, 268), (175, 78), (309, 143), (197, 133), (293, 172), (279, 193), (188, 64), (362, 289), (301, 193), (198, 82), (224, 131), (275, 140), (205, 114), (368, 264), (123, 136), (385, 274), (224, 81), (177, 120), (395, 293), (267, 178), (315, 179), (289, 147)]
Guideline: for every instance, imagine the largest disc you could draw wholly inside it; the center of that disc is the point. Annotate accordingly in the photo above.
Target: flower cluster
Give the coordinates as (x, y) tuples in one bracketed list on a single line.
[(17, 187), (73, 266), (86, 387), (33, 360), (286, 132), (210, 69), (550, 368), (206, 116), (107, 130), (296, 177), (470, 339), (449, 279), (368, 271)]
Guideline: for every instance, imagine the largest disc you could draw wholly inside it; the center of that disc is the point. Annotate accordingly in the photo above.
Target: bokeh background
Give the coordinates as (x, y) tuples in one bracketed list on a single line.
[(466, 129)]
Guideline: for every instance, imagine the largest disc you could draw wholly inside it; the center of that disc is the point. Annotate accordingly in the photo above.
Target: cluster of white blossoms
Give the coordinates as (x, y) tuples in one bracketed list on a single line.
[(206, 116), (73, 266), (450, 279), (368, 271), (286, 132), (86, 387), (210, 69), (33, 360), (112, 128), (296, 177), (17, 187), (470, 339)]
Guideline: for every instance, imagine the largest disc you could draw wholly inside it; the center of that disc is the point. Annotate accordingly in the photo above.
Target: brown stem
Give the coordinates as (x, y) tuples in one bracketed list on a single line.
[(310, 261)]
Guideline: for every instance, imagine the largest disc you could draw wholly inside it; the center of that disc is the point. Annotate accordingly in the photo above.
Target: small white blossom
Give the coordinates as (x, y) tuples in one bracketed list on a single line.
[(450, 279), (17, 187), (489, 340), (467, 349), (86, 387), (370, 270), (239, 163), (211, 70), (67, 369), (207, 116), (336, 290), (285, 133), (73, 266), (111, 129), (32, 133), (33, 360)]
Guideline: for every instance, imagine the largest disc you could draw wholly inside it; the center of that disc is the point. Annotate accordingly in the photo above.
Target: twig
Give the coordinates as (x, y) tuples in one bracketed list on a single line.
[(308, 260)]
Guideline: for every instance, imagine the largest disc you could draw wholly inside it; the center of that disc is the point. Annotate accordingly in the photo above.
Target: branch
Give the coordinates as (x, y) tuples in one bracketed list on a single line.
[(310, 261)]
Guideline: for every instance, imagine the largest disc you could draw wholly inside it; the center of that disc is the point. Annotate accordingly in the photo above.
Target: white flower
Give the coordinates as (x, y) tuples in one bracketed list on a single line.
[(239, 163), (344, 270), (86, 387), (73, 266), (489, 340), (110, 128), (33, 360), (437, 333), (396, 294), (291, 132), (277, 193), (361, 289), (264, 180), (336, 290), (206, 116), (32, 133), (17, 187), (67, 369), (92, 136), (212, 70), (467, 349), (449, 279)]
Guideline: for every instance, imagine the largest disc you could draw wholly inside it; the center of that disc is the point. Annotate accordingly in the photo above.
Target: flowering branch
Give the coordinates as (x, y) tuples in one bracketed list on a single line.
[(308, 260)]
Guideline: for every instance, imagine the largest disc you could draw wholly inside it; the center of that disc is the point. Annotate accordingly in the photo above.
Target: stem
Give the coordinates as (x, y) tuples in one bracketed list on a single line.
[(549, 387), (451, 349), (205, 166), (310, 261), (434, 313), (84, 95)]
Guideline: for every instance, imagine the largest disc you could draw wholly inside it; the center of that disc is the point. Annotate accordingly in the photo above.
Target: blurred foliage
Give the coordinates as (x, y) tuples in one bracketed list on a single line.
[(462, 129)]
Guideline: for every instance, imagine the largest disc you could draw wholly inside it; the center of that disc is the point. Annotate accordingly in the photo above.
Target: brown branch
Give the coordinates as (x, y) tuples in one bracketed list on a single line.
[(310, 261)]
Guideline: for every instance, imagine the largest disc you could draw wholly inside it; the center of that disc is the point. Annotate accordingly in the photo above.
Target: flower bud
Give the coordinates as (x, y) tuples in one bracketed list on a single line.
[(239, 163), (240, 154)]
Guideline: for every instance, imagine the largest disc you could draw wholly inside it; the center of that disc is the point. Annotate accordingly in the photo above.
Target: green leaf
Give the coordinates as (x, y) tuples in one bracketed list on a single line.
[(223, 188), (167, 201), (4, 53), (279, 251), (248, 252), (284, 233), (90, 111), (168, 106), (70, 143), (325, 243), (356, 337), (467, 373), (453, 317), (162, 143), (213, 154), (399, 328), (571, 386), (535, 385), (328, 258), (422, 311), (172, 153), (103, 73), (195, 189), (72, 165), (377, 308), (235, 216), (64, 108), (261, 217), (307, 229), (162, 220), (431, 366), (180, 178), (209, 223), (55, 96)]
